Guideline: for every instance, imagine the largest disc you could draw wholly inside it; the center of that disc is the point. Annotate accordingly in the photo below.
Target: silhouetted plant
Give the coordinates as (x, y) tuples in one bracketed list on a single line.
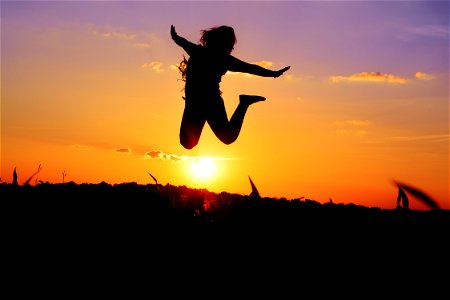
[(126, 205), (153, 188), (32, 175), (64, 175), (156, 181), (14, 182), (402, 199), (420, 195), (254, 193)]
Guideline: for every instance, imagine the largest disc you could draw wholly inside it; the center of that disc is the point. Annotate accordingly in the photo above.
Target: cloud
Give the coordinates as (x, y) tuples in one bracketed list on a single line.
[(82, 147), (424, 76), (377, 77), (288, 77), (354, 122), (112, 34), (153, 65), (264, 63), (137, 40), (430, 31), (123, 150), (143, 45), (158, 154), (431, 138), (358, 132), (353, 127)]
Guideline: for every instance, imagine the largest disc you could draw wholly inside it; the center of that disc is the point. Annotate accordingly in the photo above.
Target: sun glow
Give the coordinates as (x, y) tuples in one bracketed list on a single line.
[(203, 168)]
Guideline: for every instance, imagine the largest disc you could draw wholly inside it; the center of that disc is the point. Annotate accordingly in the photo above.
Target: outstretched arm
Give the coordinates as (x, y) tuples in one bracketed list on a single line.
[(237, 65), (189, 47)]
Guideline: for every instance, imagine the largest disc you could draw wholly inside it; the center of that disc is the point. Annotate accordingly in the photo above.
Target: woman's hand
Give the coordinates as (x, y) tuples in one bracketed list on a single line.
[(173, 33), (280, 72)]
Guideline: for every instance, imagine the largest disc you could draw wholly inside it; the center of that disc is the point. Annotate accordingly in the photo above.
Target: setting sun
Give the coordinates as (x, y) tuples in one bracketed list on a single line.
[(104, 98), (203, 168)]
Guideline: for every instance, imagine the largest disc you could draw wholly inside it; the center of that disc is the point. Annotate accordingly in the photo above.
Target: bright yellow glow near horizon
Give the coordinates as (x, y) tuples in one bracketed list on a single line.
[(203, 169), (90, 89)]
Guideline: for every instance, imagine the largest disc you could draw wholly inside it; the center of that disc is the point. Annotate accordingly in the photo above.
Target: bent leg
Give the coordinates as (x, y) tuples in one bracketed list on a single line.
[(191, 126), (228, 131)]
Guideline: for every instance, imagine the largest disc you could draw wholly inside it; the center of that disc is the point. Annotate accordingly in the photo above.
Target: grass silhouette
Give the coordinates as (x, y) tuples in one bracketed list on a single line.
[(135, 220), (92, 227), (255, 192), (419, 194), (169, 206), (33, 175), (153, 177), (179, 205)]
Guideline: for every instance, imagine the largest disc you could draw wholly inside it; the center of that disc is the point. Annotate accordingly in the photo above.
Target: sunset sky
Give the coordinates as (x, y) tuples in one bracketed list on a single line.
[(90, 89)]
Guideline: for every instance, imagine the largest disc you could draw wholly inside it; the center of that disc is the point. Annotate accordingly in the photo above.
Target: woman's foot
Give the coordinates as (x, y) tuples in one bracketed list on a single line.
[(250, 99)]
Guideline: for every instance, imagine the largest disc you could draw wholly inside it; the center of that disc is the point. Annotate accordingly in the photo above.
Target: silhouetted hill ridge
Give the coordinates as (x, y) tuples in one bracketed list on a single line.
[(84, 224), (182, 206)]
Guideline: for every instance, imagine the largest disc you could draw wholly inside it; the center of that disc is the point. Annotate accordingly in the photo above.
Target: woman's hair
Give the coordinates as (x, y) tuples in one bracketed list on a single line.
[(221, 39), (182, 67)]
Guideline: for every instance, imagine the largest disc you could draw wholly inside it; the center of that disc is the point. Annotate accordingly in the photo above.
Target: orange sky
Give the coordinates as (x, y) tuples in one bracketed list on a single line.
[(90, 89)]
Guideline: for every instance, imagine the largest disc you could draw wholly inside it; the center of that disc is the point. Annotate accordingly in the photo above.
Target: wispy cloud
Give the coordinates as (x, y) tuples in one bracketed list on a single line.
[(264, 63), (161, 155), (143, 45), (354, 123), (289, 77), (123, 150), (353, 127), (154, 66), (357, 132), (439, 31), (429, 31), (376, 77), (82, 147), (158, 154), (424, 76), (110, 33), (139, 40), (430, 138)]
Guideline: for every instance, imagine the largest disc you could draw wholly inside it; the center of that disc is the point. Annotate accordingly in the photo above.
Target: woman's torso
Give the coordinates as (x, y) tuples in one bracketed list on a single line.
[(204, 74)]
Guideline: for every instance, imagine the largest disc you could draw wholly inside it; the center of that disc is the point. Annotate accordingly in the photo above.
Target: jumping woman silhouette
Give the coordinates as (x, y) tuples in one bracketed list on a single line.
[(202, 73)]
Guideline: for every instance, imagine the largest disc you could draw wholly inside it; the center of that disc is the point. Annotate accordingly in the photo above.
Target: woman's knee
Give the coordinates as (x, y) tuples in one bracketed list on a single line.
[(227, 139), (188, 143)]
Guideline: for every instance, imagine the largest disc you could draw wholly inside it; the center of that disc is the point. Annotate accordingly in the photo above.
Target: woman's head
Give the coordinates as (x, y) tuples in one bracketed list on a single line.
[(219, 38)]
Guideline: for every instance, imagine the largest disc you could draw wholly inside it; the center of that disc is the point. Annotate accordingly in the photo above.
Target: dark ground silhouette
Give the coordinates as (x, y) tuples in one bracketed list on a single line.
[(92, 232), (71, 206)]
